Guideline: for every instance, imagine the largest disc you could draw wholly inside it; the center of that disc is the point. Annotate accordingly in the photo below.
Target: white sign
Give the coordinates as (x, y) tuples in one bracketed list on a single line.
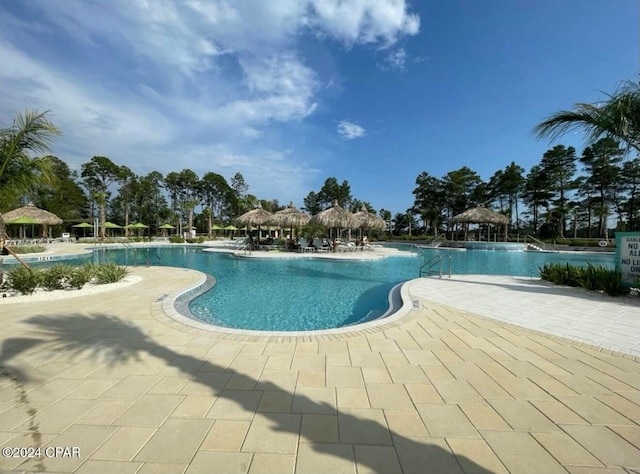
[(628, 256)]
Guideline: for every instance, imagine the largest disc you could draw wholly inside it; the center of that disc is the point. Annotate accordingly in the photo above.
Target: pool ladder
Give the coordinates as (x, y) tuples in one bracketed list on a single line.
[(428, 267)]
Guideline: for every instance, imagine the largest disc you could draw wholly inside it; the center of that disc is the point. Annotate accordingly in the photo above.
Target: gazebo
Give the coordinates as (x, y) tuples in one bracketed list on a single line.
[(256, 217), (334, 218), (290, 217), (364, 219), (32, 214), (480, 215)]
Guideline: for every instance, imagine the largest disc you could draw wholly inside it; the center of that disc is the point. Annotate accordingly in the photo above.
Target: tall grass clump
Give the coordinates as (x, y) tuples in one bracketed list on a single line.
[(591, 277), (82, 275), (62, 277), (110, 273), (22, 280), (55, 277)]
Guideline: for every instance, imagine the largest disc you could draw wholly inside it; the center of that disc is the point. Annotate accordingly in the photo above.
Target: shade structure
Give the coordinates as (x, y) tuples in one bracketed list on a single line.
[(290, 217), (364, 219), (335, 217), (216, 227), (480, 215), (39, 216), (166, 227), (111, 225), (257, 217), (23, 221), (84, 226), (230, 227), (137, 225)]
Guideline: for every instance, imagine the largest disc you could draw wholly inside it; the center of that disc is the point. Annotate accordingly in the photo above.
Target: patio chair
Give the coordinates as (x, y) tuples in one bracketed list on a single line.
[(320, 245), (305, 247)]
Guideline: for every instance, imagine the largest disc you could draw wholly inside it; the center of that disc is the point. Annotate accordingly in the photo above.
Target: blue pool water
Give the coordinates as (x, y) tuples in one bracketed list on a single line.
[(309, 294)]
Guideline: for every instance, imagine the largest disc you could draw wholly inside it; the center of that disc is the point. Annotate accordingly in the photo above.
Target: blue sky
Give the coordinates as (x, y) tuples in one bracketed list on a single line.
[(291, 92)]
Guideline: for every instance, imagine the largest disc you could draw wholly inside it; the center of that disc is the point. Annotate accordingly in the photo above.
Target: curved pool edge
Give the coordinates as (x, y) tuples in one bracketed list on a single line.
[(173, 306)]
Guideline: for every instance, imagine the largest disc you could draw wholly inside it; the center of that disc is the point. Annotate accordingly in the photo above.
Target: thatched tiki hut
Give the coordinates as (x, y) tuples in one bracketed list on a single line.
[(256, 217), (364, 219), (290, 217), (480, 215), (35, 215), (334, 218)]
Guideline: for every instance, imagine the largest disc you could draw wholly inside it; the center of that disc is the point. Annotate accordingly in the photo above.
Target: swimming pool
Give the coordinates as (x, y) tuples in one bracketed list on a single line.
[(309, 294)]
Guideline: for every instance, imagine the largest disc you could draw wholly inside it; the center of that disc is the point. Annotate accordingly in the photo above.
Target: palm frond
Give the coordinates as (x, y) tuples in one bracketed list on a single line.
[(31, 132), (618, 117)]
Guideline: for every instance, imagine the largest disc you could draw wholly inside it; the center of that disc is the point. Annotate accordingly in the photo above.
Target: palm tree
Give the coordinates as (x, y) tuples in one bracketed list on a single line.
[(30, 132), (618, 117), (19, 173)]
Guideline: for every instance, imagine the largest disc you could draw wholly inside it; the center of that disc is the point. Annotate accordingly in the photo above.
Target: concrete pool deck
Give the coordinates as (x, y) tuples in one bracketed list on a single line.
[(445, 389)]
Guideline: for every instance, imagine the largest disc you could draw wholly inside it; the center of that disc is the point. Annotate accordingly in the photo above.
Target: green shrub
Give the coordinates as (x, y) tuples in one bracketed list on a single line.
[(197, 240), (610, 281), (176, 239), (20, 249), (591, 277), (561, 274), (110, 273), (55, 277), (22, 280), (81, 275)]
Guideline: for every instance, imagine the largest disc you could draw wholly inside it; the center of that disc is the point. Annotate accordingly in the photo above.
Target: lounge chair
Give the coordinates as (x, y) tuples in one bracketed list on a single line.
[(321, 245), (305, 247)]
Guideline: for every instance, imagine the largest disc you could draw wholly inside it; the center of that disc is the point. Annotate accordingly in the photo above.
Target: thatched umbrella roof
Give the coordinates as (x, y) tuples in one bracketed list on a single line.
[(335, 217), (257, 216), (32, 212), (290, 217), (367, 220), (480, 215)]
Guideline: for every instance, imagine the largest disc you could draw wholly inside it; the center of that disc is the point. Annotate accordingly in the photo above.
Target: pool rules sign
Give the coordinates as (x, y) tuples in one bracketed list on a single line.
[(628, 256)]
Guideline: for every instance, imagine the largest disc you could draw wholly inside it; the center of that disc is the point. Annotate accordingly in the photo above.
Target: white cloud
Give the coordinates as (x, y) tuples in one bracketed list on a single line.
[(396, 59), (349, 131), (136, 80), (364, 21)]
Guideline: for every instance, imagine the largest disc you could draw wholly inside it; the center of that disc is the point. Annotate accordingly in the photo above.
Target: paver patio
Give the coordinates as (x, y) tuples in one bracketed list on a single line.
[(441, 390)]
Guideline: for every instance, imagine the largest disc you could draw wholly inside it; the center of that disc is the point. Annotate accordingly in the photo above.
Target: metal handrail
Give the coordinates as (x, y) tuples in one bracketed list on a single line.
[(432, 262), (554, 248), (439, 239), (244, 245)]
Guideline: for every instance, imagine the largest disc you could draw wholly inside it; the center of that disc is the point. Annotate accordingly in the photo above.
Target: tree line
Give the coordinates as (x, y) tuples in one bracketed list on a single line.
[(111, 192), (564, 195)]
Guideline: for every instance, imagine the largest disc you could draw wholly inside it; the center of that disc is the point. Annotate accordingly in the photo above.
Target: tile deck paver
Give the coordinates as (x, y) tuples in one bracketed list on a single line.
[(139, 392)]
